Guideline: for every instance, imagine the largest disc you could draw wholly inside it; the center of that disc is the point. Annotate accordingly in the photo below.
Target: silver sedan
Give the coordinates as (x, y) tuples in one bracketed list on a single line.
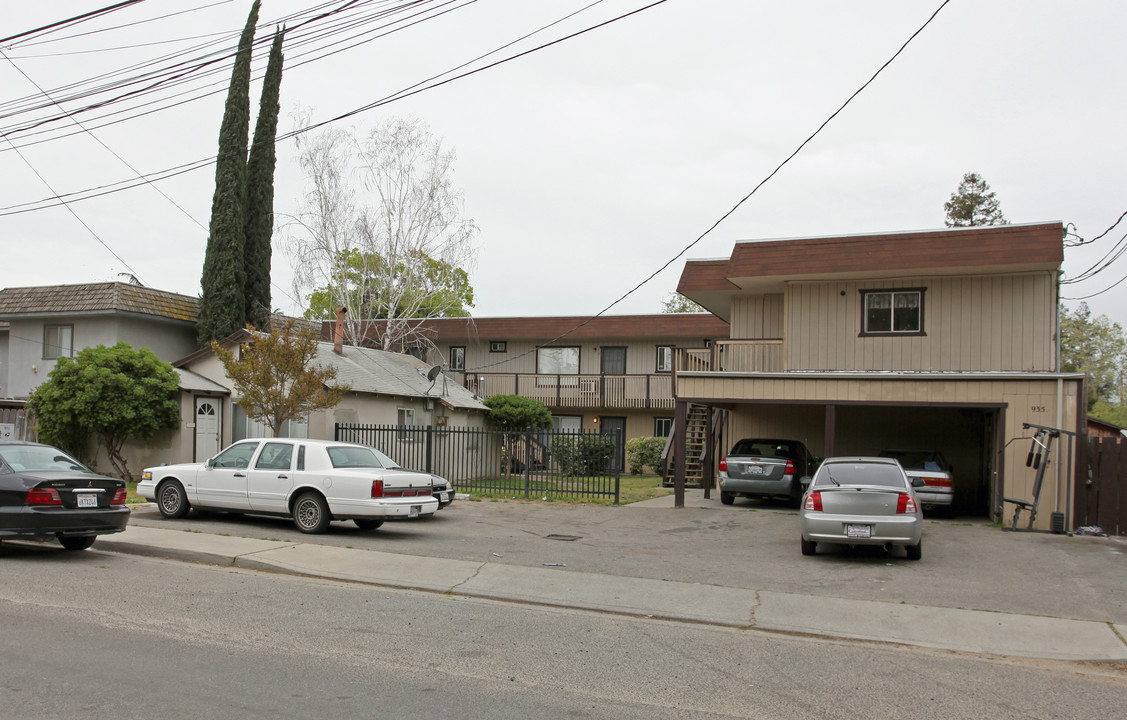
[(862, 501)]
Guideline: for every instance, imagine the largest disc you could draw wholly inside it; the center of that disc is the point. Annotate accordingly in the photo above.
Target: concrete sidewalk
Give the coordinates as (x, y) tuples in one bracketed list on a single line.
[(976, 631)]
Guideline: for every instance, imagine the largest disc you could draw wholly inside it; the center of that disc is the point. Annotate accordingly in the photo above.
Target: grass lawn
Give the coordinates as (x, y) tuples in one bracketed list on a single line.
[(631, 489), (131, 495)]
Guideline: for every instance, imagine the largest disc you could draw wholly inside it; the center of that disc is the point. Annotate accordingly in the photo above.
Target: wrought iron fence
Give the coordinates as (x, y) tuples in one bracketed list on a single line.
[(547, 464)]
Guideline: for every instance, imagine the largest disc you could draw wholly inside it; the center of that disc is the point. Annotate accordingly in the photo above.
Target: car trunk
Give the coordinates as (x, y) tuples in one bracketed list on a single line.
[(859, 500), (756, 468), (76, 491)]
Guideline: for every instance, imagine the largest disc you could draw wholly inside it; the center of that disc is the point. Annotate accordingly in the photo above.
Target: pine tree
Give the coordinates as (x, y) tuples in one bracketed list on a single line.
[(260, 193), (973, 204), (222, 302)]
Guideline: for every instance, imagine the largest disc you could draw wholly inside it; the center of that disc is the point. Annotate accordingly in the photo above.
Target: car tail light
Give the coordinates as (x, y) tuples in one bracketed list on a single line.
[(905, 505), (377, 488), (813, 501), (43, 496), (790, 468), (937, 482), (724, 464), (118, 497)]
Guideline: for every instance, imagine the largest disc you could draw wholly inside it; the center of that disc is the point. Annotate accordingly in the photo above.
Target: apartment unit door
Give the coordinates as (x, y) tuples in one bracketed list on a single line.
[(615, 427), (612, 360)]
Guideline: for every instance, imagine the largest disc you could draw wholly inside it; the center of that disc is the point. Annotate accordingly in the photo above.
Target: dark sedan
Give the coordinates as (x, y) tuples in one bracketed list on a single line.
[(45, 493)]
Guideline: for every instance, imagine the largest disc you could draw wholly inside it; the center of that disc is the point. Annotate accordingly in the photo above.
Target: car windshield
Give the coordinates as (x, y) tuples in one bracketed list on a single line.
[(859, 473), (917, 459), (352, 456), (39, 458), (760, 448)]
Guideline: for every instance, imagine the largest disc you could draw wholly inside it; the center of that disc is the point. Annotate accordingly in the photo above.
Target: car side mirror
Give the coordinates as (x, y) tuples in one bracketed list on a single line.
[(805, 482), (211, 462)]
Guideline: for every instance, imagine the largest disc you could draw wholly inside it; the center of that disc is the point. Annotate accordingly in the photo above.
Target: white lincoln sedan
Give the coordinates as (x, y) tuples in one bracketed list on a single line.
[(312, 481)]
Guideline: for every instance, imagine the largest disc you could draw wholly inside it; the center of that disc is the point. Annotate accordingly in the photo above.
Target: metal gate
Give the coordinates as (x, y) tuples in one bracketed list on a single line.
[(538, 464), (1101, 492)]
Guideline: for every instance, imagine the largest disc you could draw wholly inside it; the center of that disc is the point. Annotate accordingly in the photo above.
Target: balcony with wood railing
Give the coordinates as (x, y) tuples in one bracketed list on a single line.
[(587, 392), (763, 355)]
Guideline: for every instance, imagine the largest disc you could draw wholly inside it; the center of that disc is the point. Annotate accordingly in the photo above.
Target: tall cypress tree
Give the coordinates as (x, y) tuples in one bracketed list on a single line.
[(260, 193), (223, 303)]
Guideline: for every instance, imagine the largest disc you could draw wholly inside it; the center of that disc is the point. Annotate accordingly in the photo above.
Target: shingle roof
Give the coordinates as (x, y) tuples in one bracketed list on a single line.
[(387, 373), (97, 298)]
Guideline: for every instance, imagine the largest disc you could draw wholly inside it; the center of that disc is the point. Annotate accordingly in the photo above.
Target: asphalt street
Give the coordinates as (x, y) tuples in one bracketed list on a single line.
[(977, 588)]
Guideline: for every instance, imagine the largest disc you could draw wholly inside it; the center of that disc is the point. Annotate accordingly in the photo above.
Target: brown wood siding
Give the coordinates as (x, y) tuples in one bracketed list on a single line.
[(989, 323)]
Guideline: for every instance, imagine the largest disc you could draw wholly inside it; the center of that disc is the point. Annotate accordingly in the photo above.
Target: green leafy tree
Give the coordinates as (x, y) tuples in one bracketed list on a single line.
[(223, 300), (382, 232), (260, 192), (117, 393), (678, 303), (973, 203), (1095, 346), (435, 289), (515, 415), (276, 377)]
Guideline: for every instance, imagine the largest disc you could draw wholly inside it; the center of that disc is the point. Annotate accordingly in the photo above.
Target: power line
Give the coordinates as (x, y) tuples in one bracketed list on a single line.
[(747, 197)]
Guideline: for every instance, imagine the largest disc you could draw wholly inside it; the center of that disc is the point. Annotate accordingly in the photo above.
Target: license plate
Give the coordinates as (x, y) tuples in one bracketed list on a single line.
[(414, 511), (756, 470), (87, 500), (858, 531), (443, 496)]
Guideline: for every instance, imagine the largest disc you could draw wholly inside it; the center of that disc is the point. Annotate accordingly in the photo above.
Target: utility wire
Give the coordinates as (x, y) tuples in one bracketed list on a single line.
[(747, 197)]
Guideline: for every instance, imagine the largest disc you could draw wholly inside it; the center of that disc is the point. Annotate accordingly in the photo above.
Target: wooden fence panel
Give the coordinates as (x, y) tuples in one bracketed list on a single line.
[(1101, 497)]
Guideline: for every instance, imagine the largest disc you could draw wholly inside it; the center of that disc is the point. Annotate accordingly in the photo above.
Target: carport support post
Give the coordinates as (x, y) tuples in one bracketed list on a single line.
[(831, 425), (680, 421)]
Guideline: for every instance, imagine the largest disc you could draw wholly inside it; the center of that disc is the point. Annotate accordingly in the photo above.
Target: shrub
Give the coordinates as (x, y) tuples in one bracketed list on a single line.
[(582, 455), (643, 452)]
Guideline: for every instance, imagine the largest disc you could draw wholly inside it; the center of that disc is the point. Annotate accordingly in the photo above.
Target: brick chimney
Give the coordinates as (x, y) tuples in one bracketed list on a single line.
[(338, 332)]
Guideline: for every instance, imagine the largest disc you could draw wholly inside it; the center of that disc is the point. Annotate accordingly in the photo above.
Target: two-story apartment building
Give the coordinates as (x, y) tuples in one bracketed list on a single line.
[(941, 340), (609, 373)]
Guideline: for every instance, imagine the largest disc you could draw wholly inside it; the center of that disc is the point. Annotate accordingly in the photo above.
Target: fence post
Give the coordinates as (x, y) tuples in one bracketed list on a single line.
[(527, 464), (429, 461)]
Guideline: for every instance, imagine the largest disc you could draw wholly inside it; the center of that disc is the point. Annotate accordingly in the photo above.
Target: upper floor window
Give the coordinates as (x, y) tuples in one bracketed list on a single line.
[(458, 358), (664, 358), (557, 361), (893, 312), (498, 346), (58, 341)]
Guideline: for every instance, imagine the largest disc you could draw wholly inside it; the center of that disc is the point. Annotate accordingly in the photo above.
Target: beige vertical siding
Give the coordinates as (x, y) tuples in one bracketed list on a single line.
[(757, 316), (641, 355), (990, 323)]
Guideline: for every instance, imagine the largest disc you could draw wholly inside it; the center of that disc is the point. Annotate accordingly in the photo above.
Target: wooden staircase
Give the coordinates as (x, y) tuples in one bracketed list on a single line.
[(695, 438)]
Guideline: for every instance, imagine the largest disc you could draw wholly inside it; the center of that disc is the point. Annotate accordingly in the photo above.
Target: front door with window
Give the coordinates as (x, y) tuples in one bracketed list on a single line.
[(615, 427), (207, 427)]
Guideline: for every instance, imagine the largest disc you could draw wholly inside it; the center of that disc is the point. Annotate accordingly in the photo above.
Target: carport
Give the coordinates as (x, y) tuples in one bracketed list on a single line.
[(975, 420)]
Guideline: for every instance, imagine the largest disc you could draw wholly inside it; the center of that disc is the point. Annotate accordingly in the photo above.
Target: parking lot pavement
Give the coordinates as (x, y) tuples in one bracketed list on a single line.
[(968, 565)]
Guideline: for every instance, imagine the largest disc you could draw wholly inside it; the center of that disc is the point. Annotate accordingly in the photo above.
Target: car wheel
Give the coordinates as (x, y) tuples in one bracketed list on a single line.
[(171, 500), (366, 524), (915, 552), (76, 542), (727, 498), (311, 513), (808, 546)]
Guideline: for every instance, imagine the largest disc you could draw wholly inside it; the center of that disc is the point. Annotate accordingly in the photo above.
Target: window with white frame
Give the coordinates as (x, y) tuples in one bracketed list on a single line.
[(893, 312), (557, 361), (243, 426), (458, 358), (664, 358), (663, 426), (58, 341), (404, 418)]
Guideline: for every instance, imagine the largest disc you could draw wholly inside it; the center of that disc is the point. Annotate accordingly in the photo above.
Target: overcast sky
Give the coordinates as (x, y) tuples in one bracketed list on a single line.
[(590, 164)]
